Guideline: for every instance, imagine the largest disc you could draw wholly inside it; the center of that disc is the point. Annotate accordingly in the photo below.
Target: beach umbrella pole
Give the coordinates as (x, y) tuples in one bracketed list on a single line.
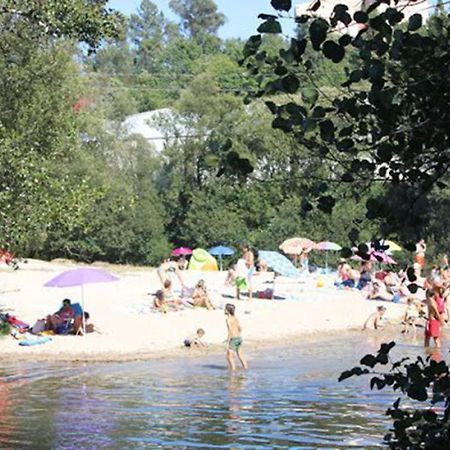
[(82, 305)]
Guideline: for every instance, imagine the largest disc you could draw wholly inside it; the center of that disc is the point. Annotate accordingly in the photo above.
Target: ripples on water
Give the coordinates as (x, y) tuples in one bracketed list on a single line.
[(289, 399)]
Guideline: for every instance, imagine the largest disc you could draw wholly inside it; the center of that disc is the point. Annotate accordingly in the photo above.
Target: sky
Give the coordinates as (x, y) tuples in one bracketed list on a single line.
[(242, 15)]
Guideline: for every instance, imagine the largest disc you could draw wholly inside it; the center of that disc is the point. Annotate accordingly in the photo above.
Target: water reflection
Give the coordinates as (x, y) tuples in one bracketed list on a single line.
[(289, 399)]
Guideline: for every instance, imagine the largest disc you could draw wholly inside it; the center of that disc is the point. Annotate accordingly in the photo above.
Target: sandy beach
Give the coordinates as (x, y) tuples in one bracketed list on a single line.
[(130, 329)]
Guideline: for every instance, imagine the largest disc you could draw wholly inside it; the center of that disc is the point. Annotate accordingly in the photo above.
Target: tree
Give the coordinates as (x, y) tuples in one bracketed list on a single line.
[(146, 30), (387, 123), (199, 18), (424, 424), (39, 128), (83, 20)]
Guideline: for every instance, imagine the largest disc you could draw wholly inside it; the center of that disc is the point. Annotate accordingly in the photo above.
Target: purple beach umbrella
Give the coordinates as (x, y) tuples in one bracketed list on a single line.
[(80, 277)]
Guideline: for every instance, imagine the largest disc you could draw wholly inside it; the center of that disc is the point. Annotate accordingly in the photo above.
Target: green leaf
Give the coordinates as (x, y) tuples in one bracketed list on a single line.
[(281, 5), (327, 130), (267, 16), (346, 252), (272, 107), (369, 360), (306, 205), (316, 5), (309, 95), (290, 84), (353, 235), (282, 124), (270, 26), (252, 45), (360, 17), (384, 152), (414, 22), (326, 203), (356, 75), (378, 382), (333, 51), (344, 375), (347, 177), (345, 40), (318, 32), (340, 14)]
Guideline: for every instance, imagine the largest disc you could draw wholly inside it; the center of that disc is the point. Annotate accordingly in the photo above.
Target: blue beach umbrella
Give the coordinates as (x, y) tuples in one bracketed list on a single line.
[(279, 263), (219, 251)]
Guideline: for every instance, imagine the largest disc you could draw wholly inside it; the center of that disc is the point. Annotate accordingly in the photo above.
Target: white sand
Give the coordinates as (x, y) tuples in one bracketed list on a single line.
[(121, 310)]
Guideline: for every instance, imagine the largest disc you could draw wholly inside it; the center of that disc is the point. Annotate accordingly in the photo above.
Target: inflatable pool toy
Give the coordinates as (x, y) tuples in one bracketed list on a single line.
[(202, 260)]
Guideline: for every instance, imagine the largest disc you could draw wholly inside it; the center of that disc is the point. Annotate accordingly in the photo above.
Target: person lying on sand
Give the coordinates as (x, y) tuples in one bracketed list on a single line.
[(373, 322), (195, 339)]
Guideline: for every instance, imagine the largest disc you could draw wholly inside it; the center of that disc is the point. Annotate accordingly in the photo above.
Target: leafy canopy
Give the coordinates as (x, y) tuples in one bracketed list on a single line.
[(386, 123)]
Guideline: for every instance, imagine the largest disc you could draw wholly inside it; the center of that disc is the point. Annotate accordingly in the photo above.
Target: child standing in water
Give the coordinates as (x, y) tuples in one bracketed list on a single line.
[(234, 337)]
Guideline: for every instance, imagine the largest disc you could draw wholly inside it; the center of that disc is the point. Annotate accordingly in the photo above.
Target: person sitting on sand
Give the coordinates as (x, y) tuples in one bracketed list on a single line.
[(78, 324), (373, 322), (169, 296), (159, 301), (411, 316), (60, 317), (380, 292), (200, 296), (195, 339), (234, 340), (345, 274), (365, 276)]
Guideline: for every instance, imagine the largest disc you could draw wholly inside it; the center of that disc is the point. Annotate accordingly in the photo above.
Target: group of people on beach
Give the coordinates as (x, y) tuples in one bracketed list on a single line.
[(426, 298), (165, 300)]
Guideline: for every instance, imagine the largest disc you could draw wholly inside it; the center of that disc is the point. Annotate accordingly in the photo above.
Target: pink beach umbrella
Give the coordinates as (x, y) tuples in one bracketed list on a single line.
[(181, 251), (327, 246), (383, 258), (296, 245), (377, 257), (358, 258)]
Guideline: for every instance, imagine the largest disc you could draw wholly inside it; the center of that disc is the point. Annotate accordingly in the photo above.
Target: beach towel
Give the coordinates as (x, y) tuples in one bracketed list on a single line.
[(31, 342), (14, 321)]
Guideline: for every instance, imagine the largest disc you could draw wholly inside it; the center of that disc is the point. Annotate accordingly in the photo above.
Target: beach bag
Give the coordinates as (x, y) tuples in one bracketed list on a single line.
[(38, 327)]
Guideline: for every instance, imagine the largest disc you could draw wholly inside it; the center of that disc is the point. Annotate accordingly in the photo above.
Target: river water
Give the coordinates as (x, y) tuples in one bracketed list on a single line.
[(290, 398)]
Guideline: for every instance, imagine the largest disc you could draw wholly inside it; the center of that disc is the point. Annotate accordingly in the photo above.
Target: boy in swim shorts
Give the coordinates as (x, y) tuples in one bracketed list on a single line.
[(234, 338)]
